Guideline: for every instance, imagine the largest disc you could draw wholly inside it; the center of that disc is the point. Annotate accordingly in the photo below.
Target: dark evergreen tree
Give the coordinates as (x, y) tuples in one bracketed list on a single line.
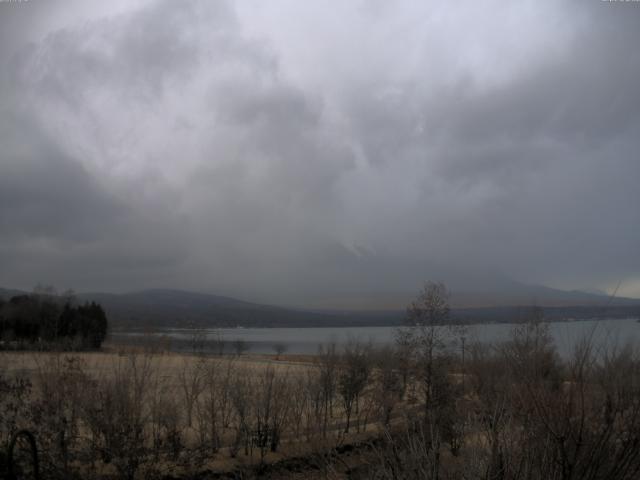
[(44, 318)]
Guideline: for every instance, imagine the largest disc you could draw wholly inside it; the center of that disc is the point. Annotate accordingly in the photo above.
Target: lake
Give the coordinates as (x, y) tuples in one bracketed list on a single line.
[(612, 332)]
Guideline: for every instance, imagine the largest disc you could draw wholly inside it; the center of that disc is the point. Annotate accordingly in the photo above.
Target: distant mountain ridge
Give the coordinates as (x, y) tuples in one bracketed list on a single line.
[(165, 307), (185, 309)]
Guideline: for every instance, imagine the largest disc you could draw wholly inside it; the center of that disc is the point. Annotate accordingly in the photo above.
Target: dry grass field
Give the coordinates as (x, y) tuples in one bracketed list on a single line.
[(415, 411), (171, 364), (191, 413)]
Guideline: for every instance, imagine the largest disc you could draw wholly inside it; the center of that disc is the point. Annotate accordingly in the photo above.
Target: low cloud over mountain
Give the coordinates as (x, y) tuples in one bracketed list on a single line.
[(304, 154)]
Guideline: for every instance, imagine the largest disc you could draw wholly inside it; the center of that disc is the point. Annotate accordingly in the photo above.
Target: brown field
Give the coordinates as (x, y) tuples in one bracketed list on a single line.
[(170, 363), (416, 411), (188, 388)]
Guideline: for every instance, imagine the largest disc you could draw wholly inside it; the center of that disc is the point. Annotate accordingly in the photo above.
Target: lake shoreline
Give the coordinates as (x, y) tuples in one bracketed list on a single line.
[(265, 340)]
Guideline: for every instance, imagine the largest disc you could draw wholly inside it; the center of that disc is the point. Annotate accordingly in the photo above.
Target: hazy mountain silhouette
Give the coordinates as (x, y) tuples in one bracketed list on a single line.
[(178, 308)]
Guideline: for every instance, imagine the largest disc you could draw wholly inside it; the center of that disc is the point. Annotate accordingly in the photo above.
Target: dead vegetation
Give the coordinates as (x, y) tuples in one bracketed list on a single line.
[(510, 411)]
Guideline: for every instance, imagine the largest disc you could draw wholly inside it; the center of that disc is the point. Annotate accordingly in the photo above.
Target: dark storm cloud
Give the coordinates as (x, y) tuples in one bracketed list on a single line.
[(291, 153), (536, 173), (44, 193), (53, 198), (60, 224)]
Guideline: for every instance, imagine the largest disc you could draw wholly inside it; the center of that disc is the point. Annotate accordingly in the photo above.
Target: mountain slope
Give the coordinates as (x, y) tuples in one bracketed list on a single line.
[(178, 308), (184, 309)]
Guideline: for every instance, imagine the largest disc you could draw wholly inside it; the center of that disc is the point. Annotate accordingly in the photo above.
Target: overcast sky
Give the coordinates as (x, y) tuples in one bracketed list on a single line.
[(290, 151)]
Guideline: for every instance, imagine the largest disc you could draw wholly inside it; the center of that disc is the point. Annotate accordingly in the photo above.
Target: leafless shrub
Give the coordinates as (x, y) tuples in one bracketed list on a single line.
[(299, 404), (279, 349), (191, 381), (219, 343), (16, 415), (407, 454), (165, 421), (327, 379), (240, 346), (240, 394), (164, 425), (524, 411), (404, 354), (209, 423), (56, 408), (115, 412), (314, 414), (353, 377), (389, 383), (271, 405)]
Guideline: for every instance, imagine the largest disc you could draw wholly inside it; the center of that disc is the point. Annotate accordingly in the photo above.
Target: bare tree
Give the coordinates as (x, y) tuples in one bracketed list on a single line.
[(314, 414), (226, 379), (427, 315), (241, 395), (55, 407), (279, 348), (328, 378), (405, 342), (300, 403), (198, 339), (270, 410), (240, 346), (353, 376), (191, 381), (115, 412), (219, 343), (208, 407), (388, 383)]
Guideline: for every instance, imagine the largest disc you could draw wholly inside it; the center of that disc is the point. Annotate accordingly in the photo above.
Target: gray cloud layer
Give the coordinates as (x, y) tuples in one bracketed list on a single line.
[(290, 152)]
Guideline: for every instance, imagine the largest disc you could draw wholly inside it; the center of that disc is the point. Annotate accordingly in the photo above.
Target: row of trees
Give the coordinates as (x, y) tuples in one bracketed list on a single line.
[(49, 319)]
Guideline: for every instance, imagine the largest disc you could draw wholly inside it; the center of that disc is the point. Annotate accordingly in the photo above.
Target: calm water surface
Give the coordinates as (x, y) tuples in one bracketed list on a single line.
[(613, 332)]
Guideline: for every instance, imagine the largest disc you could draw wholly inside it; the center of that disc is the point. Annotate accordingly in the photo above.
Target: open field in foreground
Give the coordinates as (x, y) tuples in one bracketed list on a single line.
[(423, 409), (129, 413)]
